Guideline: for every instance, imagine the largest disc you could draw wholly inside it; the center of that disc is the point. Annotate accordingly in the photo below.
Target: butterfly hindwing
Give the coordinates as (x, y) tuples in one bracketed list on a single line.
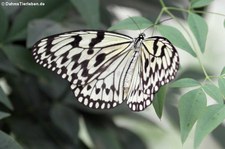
[(156, 66), (94, 62)]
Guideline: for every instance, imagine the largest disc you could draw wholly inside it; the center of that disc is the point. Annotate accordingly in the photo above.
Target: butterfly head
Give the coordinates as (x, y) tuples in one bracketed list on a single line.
[(138, 40), (141, 36)]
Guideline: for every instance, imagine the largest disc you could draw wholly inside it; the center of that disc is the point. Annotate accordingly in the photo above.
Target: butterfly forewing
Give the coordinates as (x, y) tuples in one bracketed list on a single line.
[(94, 62)]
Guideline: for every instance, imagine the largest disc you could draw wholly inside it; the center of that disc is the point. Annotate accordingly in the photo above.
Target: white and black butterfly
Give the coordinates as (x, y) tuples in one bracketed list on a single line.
[(106, 68)]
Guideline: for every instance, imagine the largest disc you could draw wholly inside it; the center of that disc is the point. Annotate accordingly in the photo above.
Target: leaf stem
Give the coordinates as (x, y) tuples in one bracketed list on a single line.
[(159, 16), (162, 4), (206, 12), (189, 35), (177, 9), (196, 11)]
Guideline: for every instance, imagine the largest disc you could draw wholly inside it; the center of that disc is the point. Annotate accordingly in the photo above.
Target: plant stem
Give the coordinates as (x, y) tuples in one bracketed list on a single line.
[(196, 11), (166, 9), (159, 16), (177, 9), (204, 12), (162, 3)]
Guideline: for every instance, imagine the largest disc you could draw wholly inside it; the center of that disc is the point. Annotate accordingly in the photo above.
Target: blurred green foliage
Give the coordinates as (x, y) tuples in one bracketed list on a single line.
[(39, 110)]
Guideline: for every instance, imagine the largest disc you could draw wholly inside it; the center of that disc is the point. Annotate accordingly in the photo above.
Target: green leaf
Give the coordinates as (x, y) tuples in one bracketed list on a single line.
[(132, 23), (214, 92), (200, 3), (5, 100), (4, 115), (212, 117), (7, 142), (159, 101), (21, 57), (199, 28), (130, 140), (185, 82), (33, 135), (176, 37), (221, 82), (67, 120), (191, 106), (89, 10), (4, 24), (57, 85), (102, 133), (41, 28), (223, 72), (59, 13), (6, 66), (19, 26)]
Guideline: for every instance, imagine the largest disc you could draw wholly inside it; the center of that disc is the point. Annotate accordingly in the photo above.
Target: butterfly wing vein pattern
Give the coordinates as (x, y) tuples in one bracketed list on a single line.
[(157, 65), (104, 69)]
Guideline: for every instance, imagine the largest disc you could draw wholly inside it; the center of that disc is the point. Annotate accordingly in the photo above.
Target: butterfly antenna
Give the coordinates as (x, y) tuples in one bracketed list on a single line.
[(135, 24), (160, 22), (148, 27), (167, 19)]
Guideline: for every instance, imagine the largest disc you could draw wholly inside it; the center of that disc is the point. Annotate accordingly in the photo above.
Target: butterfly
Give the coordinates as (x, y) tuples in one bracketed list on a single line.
[(106, 68)]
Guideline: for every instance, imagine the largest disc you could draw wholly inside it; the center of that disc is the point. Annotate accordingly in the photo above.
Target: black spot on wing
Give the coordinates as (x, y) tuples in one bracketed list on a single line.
[(94, 41), (85, 72), (88, 87), (74, 76), (113, 88), (155, 46), (99, 38), (76, 57), (146, 64), (48, 52), (103, 85), (48, 44), (107, 91), (152, 59), (64, 70), (84, 63), (97, 90), (77, 40), (52, 57), (90, 51), (65, 59), (79, 82), (99, 59), (163, 50)]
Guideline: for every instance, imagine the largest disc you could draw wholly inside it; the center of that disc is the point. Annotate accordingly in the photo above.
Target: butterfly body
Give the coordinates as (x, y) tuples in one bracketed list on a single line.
[(106, 68)]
